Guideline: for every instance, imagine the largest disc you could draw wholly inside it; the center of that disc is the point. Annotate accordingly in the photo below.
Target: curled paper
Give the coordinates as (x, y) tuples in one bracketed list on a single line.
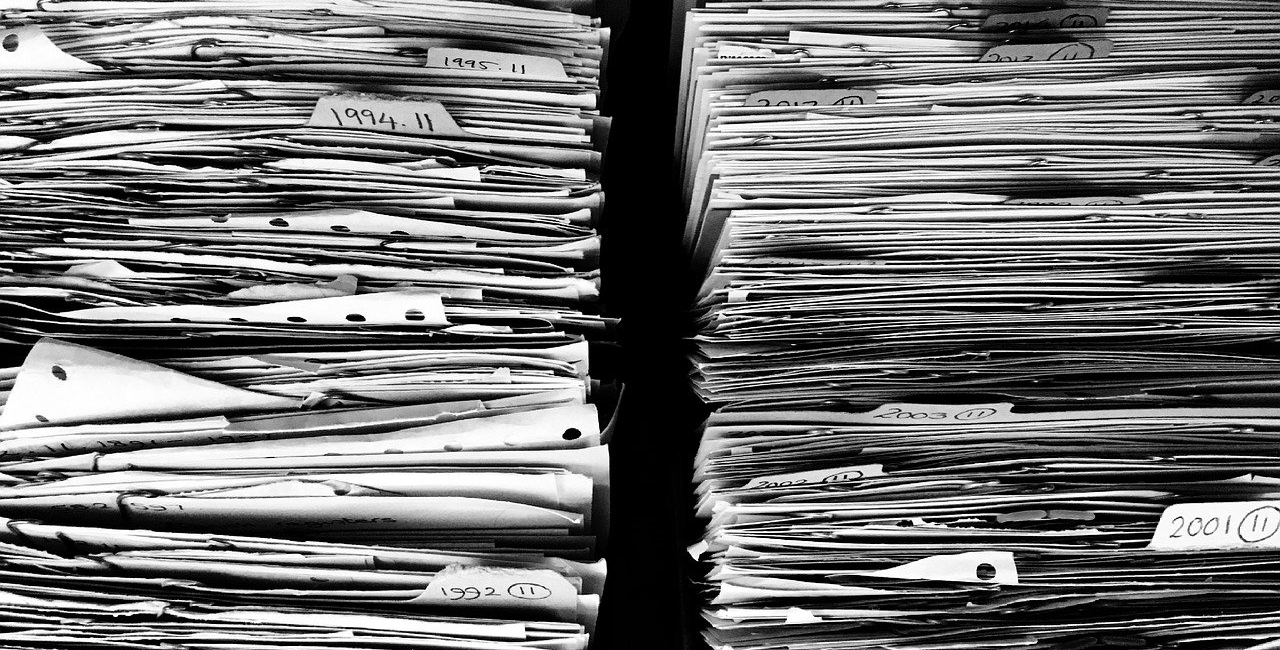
[(65, 383)]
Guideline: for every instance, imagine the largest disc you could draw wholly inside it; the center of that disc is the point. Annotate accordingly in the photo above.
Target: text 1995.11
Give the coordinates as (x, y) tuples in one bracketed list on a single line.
[(479, 64)]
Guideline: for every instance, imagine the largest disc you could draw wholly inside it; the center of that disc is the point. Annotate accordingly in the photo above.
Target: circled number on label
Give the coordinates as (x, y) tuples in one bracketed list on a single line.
[(1259, 525), (975, 414), (529, 591)]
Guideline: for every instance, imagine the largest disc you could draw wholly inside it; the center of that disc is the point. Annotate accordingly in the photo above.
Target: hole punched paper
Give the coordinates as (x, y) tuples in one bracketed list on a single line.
[(985, 308), (301, 304)]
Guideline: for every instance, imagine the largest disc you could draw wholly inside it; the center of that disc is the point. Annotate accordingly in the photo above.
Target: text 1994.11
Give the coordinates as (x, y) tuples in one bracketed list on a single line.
[(365, 117)]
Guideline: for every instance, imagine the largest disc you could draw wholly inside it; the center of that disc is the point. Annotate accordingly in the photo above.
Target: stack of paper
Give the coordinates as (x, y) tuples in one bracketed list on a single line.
[(303, 295), (987, 312), (336, 171), (76, 586)]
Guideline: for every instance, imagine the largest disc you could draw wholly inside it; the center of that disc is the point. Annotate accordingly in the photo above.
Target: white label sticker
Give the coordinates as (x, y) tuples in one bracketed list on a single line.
[(540, 589), (1076, 200), (1074, 18), (496, 62), (743, 52), (830, 476), (939, 413), (1018, 53), (1268, 97), (1218, 526), (27, 48), (384, 114), (812, 97), (993, 567)]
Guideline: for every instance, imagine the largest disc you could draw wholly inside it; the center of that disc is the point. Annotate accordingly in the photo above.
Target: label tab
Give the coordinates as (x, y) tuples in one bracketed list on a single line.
[(1270, 161), (1075, 200), (497, 62), (497, 587), (1074, 18), (830, 476), (939, 413), (385, 114), (812, 97), (1019, 53), (1218, 526), (744, 52)]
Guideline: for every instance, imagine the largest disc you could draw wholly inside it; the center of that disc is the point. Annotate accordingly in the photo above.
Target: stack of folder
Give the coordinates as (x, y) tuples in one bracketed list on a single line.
[(987, 317), (299, 302)]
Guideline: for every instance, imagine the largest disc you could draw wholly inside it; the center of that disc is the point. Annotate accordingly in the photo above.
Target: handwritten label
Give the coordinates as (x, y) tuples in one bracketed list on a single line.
[(27, 48), (384, 114), (540, 589), (993, 567), (1018, 53), (1076, 200), (830, 476), (743, 52), (497, 62), (939, 413), (1270, 161), (1218, 526), (812, 97), (1075, 18), (1269, 97)]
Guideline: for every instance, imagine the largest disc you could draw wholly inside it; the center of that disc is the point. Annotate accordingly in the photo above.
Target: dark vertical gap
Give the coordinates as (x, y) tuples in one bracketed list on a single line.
[(646, 600)]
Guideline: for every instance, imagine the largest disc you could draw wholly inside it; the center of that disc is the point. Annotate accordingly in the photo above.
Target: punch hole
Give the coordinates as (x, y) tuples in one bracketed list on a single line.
[(296, 319), (355, 318), (415, 314), (572, 434), (986, 571), (222, 218), (339, 228), (10, 42), (279, 223), (41, 418), (59, 372)]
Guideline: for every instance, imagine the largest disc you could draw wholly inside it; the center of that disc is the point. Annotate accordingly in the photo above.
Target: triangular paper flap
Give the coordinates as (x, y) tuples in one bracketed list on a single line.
[(64, 383), (26, 48)]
